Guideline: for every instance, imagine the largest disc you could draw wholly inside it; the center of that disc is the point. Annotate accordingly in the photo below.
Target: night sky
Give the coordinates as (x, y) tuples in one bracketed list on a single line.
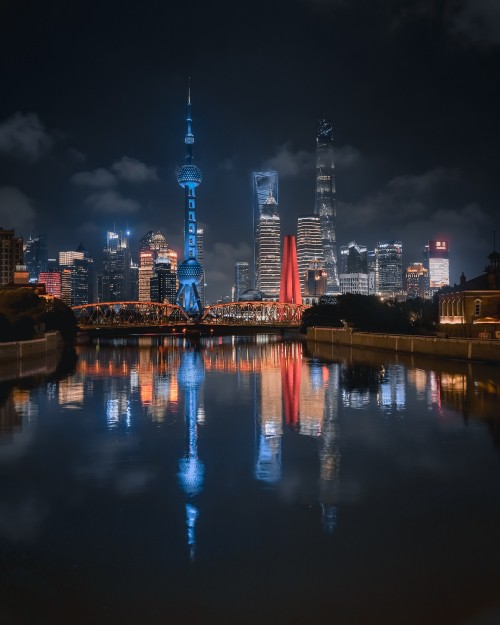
[(93, 108)]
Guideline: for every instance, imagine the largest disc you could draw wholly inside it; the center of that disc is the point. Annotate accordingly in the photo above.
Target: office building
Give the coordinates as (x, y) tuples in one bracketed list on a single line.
[(241, 279), (115, 280), (163, 284), (269, 250), (263, 183), (309, 246), (152, 246), (436, 261), (416, 281), (353, 266), (388, 269), (52, 281), (36, 256), (316, 281), (324, 204), (11, 254)]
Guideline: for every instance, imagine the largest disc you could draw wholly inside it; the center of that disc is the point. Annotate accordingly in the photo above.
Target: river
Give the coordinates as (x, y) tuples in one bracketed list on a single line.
[(250, 480)]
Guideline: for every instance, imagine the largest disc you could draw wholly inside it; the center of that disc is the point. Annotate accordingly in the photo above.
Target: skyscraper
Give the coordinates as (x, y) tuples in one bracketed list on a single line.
[(152, 247), (189, 272), (416, 277), (388, 268), (353, 267), (324, 204), (309, 246), (115, 280), (11, 254), (269, 249), (36, 256), (241, 279), (436, 261), (262, 183)]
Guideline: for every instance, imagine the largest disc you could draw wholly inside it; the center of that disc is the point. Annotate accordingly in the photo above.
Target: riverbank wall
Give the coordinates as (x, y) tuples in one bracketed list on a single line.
[(20, 359), (433, 346)]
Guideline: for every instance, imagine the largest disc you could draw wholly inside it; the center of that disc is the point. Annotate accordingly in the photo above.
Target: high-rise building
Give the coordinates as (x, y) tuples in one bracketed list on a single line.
[(241, 279), (324, 204), (11, 254), (316, 278), (269, 249), (66, 284), (115, 280), (163, 284), (189, 272), (263, 182), (353, 265), (309, 246), (416, 278), (52, 281), (152, 246), (388, 268), (36, 256), (370, 256), (81, 266), (436, 261)]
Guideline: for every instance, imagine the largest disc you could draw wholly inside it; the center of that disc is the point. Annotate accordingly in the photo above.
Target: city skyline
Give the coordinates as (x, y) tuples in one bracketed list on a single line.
[(411, 93)]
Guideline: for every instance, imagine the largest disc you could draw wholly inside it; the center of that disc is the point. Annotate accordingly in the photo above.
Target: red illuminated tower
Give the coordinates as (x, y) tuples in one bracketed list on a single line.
[(290, 282)]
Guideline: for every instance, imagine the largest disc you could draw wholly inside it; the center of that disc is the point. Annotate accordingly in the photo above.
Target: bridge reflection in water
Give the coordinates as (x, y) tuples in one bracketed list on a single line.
[(153, 314)]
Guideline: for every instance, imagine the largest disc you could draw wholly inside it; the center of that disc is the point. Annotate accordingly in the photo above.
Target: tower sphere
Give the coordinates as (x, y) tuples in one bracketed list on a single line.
[(189, 176), (190, 271)]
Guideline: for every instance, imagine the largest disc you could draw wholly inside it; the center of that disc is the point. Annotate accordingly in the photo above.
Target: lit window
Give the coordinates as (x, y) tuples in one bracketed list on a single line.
[(477, 307)]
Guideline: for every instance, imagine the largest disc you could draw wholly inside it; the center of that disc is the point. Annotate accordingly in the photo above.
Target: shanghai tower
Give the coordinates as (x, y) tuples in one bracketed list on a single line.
[(324, 204), (189, 272)]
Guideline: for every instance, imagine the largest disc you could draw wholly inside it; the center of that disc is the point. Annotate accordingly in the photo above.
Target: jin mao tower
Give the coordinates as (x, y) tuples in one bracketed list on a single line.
[(190, 272), (324, 205)]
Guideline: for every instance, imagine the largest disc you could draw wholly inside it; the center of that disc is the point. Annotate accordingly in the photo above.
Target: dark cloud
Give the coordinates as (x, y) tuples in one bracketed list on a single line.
[(16, 209), (220, 261), (24, 136), (290, 163), (476, 20), (132, 170), (99, 178), (111, 202)]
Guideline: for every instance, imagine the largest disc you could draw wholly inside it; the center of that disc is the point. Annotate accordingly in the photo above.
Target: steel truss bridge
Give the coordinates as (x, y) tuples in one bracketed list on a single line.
[(135, 314)]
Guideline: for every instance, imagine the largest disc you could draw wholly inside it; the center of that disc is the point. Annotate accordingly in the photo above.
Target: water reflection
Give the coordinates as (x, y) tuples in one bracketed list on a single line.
[(300, 396)]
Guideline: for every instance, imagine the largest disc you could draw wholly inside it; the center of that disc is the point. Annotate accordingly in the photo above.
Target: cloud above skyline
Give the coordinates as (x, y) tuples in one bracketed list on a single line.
[(16, 209), (112, 202), (24, 136)]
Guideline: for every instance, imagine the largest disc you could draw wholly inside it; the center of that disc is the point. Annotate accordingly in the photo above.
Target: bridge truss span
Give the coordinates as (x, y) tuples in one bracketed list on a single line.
[(254, 313), (129, 314)]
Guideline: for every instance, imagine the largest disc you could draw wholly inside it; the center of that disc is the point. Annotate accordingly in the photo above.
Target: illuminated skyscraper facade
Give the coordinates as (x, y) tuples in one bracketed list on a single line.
[(116, 277), (201, 256), (36, 256), (241, 279), (269, 249), (389, 268), (353, 269), (263, 183), (416, 278), (152, 247), (189, 272), (324, 204), (436, 261), (309, 247)]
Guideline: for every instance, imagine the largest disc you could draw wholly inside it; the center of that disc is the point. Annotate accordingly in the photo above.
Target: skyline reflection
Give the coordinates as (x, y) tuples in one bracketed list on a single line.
[(294, 394)]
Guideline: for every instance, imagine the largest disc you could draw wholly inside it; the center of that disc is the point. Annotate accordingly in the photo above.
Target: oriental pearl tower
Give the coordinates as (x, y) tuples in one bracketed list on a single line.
[(189, 272)]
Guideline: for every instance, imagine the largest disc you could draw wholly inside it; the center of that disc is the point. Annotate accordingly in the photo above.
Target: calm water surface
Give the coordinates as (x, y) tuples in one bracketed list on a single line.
[(250, 480)]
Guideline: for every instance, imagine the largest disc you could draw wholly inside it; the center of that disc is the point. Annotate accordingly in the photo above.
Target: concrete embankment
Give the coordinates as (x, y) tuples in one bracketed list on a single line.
[(20, 359), (463, 349)]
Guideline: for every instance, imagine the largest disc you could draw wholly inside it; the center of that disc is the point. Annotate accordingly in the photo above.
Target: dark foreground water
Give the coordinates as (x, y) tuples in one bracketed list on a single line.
[(250, 481)]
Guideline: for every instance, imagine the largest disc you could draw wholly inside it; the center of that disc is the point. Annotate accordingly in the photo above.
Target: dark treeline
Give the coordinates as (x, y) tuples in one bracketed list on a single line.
[(24, 315), (368, 313)]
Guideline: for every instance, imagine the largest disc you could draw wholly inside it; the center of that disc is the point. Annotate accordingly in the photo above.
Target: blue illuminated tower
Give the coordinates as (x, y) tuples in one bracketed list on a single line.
[(189, 272)]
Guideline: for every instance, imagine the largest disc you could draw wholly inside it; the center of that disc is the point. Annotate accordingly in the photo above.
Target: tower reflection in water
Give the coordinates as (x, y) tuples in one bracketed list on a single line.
[(191, 469)]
